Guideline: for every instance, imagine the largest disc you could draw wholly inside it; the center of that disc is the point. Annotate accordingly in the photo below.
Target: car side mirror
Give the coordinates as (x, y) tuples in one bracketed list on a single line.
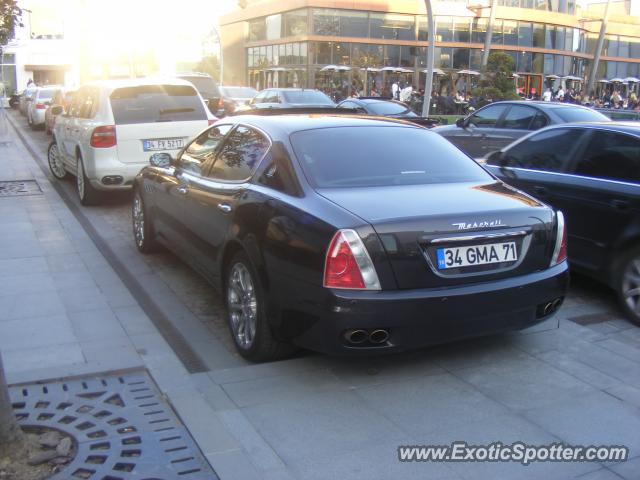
[(161, 160), (57, 110), (461, 123), (495, 158)]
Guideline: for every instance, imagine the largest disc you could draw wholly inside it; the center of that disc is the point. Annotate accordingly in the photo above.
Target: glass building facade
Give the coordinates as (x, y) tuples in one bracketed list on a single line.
[(298, 48)]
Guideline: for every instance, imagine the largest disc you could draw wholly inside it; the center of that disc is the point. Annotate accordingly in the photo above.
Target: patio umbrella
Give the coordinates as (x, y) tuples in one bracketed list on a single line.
[(632, 80), (616, 80), (552, 76), (329, 68), (436, 71), (602, 80), (572, 77), (468, 72)]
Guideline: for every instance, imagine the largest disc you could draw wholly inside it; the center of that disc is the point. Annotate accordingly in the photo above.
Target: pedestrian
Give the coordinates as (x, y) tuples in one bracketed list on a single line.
[(395, 90), (546, 96)]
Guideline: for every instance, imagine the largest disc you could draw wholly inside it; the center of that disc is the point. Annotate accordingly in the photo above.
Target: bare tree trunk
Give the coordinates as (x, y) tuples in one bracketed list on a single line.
[(10, 434)]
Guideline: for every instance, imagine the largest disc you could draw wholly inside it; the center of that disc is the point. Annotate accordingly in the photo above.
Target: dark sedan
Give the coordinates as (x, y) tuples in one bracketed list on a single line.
[(498, 124), (351, 235), (386, 108), (231, 98), (592, 173)]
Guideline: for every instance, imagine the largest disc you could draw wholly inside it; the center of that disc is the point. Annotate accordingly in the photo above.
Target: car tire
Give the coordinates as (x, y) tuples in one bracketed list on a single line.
[(627, 283), (142, 225), (56, 164), (246, 313), (87, 194)]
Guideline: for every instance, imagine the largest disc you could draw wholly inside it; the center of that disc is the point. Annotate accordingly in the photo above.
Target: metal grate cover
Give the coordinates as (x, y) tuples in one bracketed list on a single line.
[(19, 188), (122, 427)]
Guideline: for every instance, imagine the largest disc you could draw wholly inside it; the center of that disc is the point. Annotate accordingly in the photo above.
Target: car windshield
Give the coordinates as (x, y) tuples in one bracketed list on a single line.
[(381, 156), (580, 115), (390, 108), (156, 103), (205, 85), (240, 92), (306, 97)]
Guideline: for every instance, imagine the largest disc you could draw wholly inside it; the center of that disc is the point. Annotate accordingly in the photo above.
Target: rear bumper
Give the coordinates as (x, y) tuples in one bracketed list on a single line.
[(37, 117), (105, 163), (418, 318)]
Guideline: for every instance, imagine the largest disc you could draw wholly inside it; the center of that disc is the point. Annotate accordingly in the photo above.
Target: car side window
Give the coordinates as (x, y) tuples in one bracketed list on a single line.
[(547, 151), (89, 104), (272, 97), (349, 105), (611, 156), (202, 148), (260, 97), (519, 117), (539, 121), (76, 104), (240, 155), (487, 117)]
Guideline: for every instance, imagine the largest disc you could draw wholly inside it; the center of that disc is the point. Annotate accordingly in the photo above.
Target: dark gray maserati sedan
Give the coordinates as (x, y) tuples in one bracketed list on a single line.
[(349, 234)]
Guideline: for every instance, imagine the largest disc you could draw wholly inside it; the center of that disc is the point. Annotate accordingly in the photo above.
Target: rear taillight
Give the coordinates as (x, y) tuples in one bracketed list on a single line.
[(348, 264), (104, 137), (40, 106), (560, 249)]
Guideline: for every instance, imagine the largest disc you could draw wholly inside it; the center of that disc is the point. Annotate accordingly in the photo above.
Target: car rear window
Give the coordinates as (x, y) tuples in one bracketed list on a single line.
[(389, 108), (381, 156), (306, 97), (580, 115), (156, 103), (47, 93), (205, 85)]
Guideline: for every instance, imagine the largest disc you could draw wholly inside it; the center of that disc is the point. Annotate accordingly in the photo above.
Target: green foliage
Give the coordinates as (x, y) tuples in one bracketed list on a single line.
[(497, 82), (10, 18), (210, 65)]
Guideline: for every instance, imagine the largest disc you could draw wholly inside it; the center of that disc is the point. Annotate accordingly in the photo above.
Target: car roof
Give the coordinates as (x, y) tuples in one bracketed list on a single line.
[(539, 103), (625, 127), (287, 124), (138, 82), (291, 89)]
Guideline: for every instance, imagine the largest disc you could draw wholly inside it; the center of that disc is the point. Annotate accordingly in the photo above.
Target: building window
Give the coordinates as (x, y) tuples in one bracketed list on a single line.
[(343, 23), (391, 55), (460, 58), (461, 30), (479, 30), (392, 26), (257, 30), (407, 56), (510, 32), (364, 55), (274, 27), (295, 23), (341, 53), (525, 35), (443, 29)]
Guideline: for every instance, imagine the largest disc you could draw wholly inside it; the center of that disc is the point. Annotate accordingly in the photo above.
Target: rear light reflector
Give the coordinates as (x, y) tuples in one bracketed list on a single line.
[(104, 137), (40, 106), (348, 264), (560, 249)]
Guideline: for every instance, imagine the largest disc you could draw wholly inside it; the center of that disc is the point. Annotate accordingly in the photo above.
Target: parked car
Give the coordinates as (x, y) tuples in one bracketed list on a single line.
[(206, 87), (233, 97), (62, 98), (592, 172), (25, 99), (385, 107), (37, 107), (14, 100), (290, 98), (496, 125), (112, 127), (316, 239)]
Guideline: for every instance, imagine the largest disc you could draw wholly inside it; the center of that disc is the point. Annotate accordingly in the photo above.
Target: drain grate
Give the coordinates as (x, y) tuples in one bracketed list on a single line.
[(19, 188), (122, 427)]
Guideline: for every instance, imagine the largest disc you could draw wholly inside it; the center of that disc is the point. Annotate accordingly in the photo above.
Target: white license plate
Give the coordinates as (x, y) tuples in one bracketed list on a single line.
[(476, 255), (163, 144)]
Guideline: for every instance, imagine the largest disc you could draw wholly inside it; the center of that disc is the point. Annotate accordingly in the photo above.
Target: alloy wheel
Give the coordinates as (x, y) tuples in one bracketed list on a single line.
[(55, 162), (631, 286), (138, 220), (243, 305)]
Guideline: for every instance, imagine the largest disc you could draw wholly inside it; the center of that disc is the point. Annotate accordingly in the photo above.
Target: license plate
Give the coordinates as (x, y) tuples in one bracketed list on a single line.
[(476, 255), (163, 144)]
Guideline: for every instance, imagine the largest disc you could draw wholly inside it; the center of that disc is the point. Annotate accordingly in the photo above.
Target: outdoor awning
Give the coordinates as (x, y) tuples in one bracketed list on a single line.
[(47, 68), (468, 72), (632, 80), (616, 80), (436, 71)]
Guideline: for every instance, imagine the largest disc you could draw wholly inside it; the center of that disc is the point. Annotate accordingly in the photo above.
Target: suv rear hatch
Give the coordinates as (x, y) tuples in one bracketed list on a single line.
[(155, 118)]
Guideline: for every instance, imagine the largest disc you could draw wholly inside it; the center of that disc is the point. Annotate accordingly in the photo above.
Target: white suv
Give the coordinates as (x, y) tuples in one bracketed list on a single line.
[(38, 106), (113, 127)]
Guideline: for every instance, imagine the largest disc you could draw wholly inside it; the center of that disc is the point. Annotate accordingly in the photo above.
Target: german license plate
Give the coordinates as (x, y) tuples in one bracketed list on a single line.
[(476, 255), (163, 144)]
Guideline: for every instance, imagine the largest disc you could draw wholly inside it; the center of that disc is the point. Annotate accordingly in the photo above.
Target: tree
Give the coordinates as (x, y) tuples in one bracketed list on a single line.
[(210, 65), (10, 433), (497, 79)]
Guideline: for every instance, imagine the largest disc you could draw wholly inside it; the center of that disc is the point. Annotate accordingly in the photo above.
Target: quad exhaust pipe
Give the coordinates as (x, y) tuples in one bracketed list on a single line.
[(359, 336), (552, 306)]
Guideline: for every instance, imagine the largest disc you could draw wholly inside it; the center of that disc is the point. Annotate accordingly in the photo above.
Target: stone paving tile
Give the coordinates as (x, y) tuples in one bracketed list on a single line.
[(95, 324), (31, 305), (57, 355), (36, 332)]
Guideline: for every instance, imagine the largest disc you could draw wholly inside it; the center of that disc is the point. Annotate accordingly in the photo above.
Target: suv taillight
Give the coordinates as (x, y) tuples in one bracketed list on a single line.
[(560, 249), (40, 106), (104, 137), (348, 264)]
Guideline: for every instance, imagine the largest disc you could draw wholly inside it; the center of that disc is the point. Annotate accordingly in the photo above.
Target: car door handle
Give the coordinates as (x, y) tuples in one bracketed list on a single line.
[(224, 207), (542, 191), (620, 204), (182, 190)]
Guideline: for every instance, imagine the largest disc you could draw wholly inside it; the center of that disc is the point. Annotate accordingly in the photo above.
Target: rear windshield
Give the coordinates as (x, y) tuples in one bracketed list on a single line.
[(239, 92), (381, 156), (389, 108), (580, 115), (156, 103), (47, 93), (306, 97), (205, 85)]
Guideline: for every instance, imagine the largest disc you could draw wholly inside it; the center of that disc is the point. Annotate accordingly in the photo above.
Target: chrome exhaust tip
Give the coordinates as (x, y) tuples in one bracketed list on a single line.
[(379, 336), (548, 308), (556, 303), (356, 336)]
